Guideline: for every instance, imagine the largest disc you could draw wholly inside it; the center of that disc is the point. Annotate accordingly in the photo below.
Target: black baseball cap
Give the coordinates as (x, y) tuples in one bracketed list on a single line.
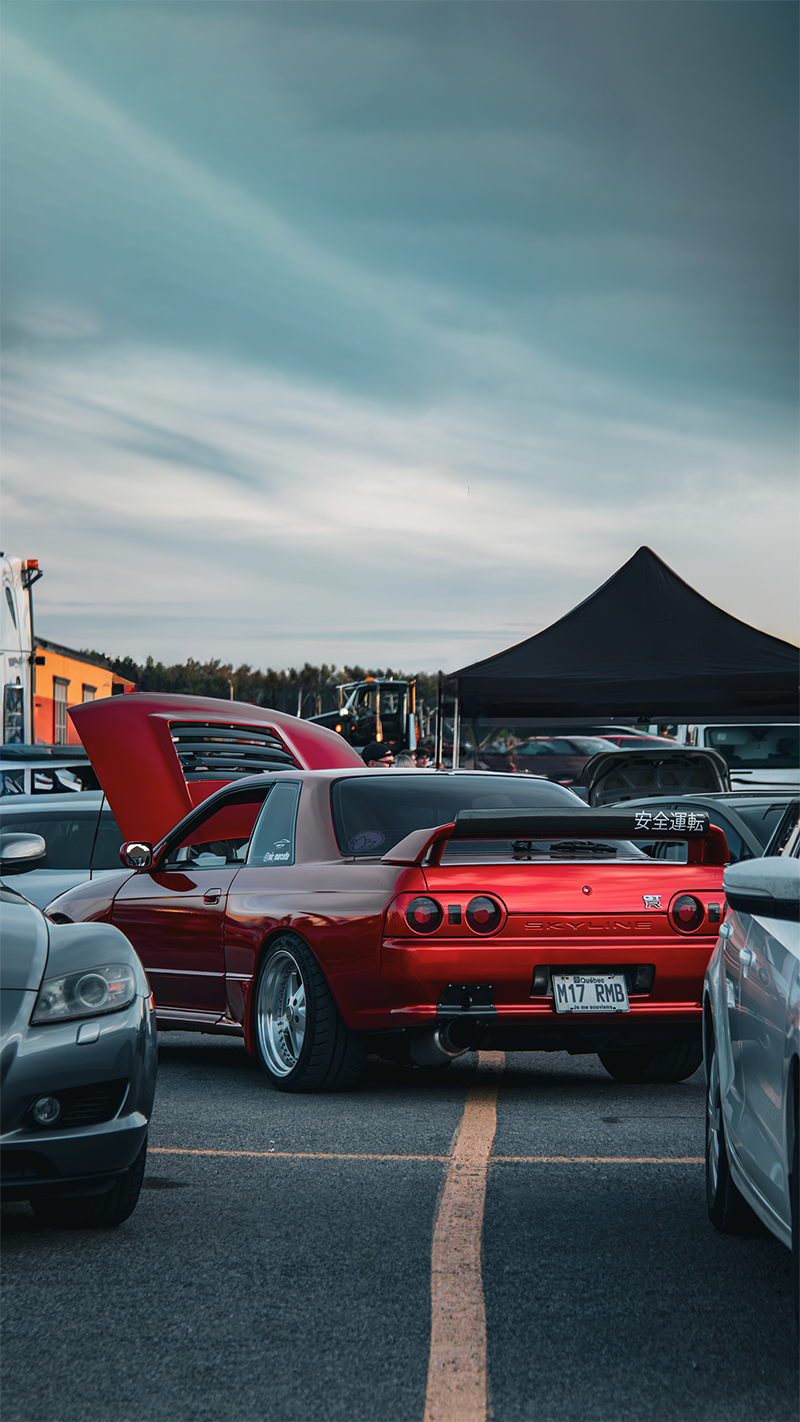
[(376, 750)]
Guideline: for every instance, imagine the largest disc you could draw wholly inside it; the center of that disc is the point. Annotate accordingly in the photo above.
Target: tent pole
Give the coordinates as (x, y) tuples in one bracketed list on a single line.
[(456, 734), (439, 740)]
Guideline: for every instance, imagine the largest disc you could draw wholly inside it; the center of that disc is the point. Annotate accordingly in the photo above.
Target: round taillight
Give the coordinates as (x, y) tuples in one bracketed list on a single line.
[(424, 915), (687, 913), (483, 915)]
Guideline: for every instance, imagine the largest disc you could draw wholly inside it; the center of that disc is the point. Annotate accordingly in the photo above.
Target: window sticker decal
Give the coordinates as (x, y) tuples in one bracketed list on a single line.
[(279, 853), (368, 839)]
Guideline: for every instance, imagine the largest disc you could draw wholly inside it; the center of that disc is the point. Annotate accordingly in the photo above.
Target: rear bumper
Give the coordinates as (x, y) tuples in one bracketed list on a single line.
[(416, 977)]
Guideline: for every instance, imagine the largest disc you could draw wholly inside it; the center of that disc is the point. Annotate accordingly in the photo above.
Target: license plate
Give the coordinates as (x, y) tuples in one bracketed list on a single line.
[(590, 992)]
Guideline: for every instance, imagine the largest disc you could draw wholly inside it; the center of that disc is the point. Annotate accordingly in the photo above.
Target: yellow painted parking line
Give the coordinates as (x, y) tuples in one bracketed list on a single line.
[(457, 1383), (598, 1160), (289, 1154), (440, 1159)]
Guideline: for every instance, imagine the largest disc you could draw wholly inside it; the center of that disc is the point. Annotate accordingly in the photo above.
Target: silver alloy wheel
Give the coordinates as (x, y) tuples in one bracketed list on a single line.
[(281, 1013), (713, 1125)]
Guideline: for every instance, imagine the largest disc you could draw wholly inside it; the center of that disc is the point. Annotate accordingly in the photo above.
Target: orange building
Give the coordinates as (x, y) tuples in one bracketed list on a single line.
[(66, 678)]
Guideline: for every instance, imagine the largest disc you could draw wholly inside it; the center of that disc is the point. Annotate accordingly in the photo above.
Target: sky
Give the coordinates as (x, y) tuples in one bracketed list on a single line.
[(384, 333)]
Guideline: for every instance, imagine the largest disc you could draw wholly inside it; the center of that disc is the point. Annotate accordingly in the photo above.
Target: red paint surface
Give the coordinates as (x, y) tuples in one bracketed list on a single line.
[(129, 743)]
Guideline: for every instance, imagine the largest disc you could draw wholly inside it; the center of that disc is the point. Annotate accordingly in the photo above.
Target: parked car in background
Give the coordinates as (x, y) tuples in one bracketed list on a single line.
[(629, 740), (45, 770), (82, 840), (747, 820), (556, 757), (560, 758), (78, 1047), (760, 757), (319, 913), (751, 1028)]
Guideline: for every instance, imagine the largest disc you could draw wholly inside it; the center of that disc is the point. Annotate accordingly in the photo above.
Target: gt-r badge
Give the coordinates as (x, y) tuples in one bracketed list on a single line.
[(652, 901)]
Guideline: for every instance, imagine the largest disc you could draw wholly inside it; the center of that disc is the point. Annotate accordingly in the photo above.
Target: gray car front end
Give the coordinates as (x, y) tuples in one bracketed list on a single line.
[(751, 1040), (77, 1066)]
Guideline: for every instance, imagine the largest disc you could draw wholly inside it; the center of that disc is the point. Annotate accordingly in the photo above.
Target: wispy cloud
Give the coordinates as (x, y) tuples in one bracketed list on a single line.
[(349, 332), (276, 504)]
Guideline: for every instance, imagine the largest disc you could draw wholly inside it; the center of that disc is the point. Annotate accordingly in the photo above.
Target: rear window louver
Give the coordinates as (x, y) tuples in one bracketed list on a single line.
[(216, 752)]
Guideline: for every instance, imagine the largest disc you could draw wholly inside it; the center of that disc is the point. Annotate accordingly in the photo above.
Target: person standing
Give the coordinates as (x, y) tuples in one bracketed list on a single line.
[(377, 756), (406, 760)]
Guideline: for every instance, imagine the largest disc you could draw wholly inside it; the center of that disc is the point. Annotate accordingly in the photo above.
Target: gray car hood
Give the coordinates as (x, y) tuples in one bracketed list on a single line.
[(23, 944)]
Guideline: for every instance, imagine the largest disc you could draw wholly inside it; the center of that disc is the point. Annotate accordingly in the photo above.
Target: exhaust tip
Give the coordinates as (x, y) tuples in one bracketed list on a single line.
[(444, 1043)]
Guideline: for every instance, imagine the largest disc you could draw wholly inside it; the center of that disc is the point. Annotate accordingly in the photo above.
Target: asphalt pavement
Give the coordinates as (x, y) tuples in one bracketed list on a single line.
[(278, 1265)]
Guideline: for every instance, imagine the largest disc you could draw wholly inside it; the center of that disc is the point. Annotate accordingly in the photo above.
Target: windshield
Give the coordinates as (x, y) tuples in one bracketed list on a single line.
[(756, 747), (373, 813)]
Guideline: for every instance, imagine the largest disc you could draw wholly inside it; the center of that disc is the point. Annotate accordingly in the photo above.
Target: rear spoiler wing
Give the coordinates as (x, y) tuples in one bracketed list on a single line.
[(706, 842)]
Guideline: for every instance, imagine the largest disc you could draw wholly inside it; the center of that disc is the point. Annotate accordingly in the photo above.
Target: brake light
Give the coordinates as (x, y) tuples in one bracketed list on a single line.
[(686, 913), (484, 915), (424, 915)]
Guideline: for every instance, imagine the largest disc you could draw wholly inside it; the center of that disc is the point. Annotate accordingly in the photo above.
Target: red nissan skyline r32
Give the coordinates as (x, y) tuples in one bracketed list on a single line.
[(324, 913)]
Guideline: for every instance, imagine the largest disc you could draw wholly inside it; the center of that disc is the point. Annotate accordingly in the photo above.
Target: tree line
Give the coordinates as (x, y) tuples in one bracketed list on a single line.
[(307, 692)]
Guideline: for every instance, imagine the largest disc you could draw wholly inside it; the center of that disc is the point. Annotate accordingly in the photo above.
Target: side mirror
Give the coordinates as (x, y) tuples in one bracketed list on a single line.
[(136, 854), (769, 887), (21, 852), (755, 902)]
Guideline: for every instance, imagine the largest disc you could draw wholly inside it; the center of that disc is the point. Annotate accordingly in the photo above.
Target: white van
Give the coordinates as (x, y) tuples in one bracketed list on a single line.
[(761, 757)]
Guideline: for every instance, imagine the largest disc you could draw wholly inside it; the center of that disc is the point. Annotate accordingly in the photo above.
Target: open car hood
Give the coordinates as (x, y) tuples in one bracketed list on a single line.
[(157, 756), (612, 776)]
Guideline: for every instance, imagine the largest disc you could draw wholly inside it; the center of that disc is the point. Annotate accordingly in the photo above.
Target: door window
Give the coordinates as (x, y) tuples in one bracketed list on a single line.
[(273, 838), (74, 840), (218, 836)]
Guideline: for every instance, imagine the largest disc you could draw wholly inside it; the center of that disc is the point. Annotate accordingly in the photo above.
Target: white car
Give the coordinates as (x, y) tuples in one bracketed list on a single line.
[(760, 757), (751, 1031)]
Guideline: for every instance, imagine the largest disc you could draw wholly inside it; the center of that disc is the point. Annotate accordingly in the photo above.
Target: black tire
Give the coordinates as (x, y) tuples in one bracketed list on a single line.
[(652, 1065), (728, 1210), (96, 1211), (301, 1040)]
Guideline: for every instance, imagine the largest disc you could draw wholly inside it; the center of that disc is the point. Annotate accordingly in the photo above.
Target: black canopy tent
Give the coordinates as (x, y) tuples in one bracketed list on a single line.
[(644, 647)]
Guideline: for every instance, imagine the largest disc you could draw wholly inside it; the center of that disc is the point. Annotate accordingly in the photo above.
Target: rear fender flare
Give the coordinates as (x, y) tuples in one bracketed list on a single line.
[(250, 994)]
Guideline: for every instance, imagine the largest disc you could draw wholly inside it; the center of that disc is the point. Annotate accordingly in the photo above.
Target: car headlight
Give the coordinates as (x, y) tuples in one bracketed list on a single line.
[(85, 994)]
